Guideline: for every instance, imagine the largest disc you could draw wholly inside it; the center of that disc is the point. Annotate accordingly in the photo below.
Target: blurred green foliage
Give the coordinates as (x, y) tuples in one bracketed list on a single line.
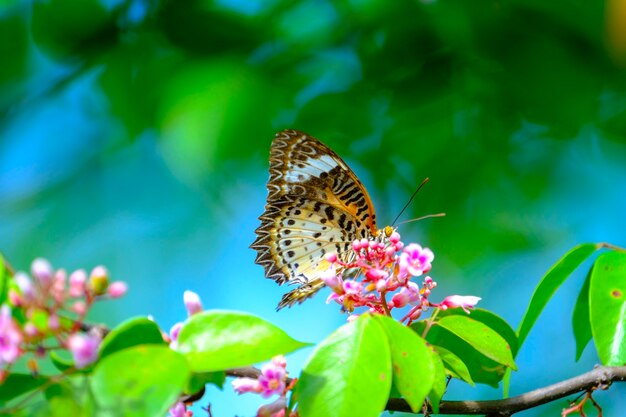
[(477, 95)]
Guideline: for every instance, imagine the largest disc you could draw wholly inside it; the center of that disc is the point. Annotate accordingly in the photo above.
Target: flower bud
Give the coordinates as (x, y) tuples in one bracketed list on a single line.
[(466, 302), (99, 280), (84, 349), (192, 303), (117, 289), (400, 299), (77, 283), (42, 271)]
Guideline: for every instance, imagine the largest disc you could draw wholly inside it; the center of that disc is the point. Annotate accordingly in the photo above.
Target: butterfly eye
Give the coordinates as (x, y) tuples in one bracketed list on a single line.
[(388, 231)]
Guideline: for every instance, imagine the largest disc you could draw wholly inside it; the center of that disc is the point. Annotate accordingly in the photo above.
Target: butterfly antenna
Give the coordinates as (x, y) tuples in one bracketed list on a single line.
[(428, 216), (409, 202)]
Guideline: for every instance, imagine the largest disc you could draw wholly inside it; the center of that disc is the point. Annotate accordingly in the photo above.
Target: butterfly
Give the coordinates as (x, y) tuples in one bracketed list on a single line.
[(315, 205)]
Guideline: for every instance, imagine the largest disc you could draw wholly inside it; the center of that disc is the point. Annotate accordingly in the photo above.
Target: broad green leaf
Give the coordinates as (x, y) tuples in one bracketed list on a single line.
[(550, 282), (18, 384), (481, 337), (199, 379), (439, 382), (546, 288), (219, 340), (482, 369), (607, 307), (491, 320), (411, 360), (60, 362), (580, 318), (68, 397), (348, 374), (454, 365), (141, 381), (132, 332)]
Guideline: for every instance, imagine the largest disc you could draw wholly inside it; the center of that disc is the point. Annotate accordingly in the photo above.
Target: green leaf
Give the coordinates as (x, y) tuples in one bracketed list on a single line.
[(489, 319), (132, 332), (607, 307), (411, 360), (439, 382), (199, 379), (348, 374), (481, 337), (18, 384), (546, 288), (482, 369), (218, 340), (580, 318), (141, 381), (454, 365), (550, 282), (68, 397), (60, 362)]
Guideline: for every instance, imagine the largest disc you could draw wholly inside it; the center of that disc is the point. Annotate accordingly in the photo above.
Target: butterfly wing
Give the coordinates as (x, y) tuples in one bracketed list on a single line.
[(316, 204)]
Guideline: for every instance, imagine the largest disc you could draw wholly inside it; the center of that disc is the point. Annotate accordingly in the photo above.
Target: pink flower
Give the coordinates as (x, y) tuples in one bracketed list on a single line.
[(243, 385), (273, 409), (272, 379), (375, 274), (400, 299), (351, 286), (174, 331), (179, 410), (25, 284), (331, 279), (84, 349), (464, 301), (117, 289), (42, 271), (10, 337), (77, 283), (416, 260), (192, 303)]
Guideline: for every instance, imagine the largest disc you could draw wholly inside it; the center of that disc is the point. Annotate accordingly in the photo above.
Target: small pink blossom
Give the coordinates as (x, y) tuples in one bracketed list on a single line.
[(192, 303), (416, 260), (117, 289), (351, 286), (174, 331), (57, 290), (244, 385), (331, 279), (466, 302), (400, 299), (272, 379), (84, 349), (179, 410), (273, 409), (80, 308), (10, 337), (77, 283), (25, 284), (42, 271)]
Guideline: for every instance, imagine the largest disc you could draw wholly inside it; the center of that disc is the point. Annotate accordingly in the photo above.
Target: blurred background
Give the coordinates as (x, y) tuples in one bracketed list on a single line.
[(136, 133)]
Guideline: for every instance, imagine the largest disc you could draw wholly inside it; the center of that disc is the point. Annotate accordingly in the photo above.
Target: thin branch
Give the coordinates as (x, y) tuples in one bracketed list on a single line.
[(599, 378)]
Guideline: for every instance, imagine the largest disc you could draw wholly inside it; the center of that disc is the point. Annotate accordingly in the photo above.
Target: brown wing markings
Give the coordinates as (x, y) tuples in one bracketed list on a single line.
[(305, 173)]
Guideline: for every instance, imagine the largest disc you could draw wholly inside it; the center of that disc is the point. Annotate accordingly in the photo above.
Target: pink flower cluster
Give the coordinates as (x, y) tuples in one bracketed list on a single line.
[(271, 381), (386, 268), (49, 305)]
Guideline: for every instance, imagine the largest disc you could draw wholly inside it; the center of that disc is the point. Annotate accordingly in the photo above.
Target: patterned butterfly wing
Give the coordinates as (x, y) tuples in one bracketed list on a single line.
[(316, 205)]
